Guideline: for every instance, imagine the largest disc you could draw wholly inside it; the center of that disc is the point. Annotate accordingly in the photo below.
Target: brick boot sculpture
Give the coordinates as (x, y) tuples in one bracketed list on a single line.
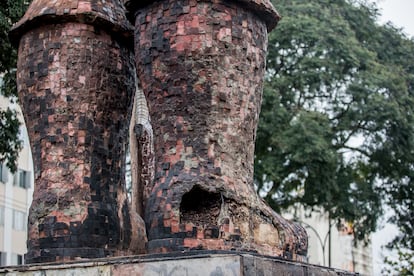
[(76, 81), (201, 67)]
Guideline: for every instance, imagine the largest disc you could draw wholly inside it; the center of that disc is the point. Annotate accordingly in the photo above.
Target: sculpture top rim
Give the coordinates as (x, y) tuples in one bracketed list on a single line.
[(110, 16), (264, 8)]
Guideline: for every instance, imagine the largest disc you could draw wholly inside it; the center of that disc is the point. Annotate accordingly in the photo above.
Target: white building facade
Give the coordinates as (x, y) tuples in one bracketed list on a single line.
[(333, 247), (16, 191)]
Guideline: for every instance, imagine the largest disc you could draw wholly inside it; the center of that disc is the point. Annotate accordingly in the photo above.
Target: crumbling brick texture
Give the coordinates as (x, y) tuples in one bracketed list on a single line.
[(109, 14), (76, 87), (201, 66)]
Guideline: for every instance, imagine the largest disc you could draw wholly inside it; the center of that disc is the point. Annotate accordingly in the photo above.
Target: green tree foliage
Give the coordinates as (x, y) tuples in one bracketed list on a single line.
[(10, 145), (403, 265), (337, 124)]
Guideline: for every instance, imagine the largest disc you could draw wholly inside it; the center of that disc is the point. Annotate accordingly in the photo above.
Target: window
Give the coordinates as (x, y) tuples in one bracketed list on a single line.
[(19, 220), (3, 173), (16, 259), (22, 179), (23, 135), (1, 215), (19, 259), (3, 258)]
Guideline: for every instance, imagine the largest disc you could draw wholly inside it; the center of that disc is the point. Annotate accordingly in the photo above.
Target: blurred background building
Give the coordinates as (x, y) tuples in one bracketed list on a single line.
[(333, 246), (16, 190)]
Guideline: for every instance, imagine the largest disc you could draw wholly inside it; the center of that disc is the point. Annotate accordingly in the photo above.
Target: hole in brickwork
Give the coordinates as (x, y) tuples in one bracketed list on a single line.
[(200, 207)]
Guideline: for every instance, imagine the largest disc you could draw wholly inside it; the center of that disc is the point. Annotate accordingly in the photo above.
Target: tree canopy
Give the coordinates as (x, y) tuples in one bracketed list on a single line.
[(10, 145), (337, 123)]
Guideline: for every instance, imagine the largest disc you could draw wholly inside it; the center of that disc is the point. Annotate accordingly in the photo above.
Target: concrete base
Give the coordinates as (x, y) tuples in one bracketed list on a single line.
[(208, 263)]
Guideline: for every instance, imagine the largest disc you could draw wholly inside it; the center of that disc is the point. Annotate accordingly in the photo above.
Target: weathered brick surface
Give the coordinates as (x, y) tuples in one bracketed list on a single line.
[(76, 84), (201, 65), (110, 15), (262, 8)]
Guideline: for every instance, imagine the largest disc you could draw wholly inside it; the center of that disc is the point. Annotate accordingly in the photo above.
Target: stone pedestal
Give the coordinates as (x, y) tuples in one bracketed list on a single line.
[(207, 263)]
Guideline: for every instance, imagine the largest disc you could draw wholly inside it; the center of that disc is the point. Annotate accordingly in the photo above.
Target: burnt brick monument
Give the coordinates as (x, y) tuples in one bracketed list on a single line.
[(201, 67), (198, 79), (76, 82)]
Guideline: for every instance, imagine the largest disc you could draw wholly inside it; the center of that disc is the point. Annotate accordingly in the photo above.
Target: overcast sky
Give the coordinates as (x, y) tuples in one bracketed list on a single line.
[(400, 12)]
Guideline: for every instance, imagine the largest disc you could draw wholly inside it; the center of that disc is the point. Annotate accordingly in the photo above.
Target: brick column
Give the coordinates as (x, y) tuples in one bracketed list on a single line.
[(201, 66), (76, 84)]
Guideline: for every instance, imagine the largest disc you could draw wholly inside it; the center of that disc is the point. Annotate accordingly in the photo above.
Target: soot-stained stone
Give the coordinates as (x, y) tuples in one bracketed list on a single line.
[(76, 80), (107, 15), (201, 65)]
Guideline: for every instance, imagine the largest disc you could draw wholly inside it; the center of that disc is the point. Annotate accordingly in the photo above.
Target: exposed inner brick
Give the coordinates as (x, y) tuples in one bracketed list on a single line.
[(200, 207)]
